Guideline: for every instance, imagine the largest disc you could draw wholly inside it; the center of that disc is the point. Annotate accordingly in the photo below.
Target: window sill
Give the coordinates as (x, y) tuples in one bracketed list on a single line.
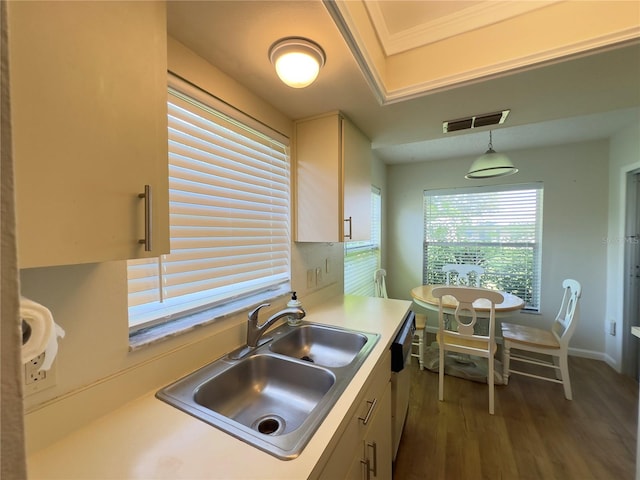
[(159, 333)]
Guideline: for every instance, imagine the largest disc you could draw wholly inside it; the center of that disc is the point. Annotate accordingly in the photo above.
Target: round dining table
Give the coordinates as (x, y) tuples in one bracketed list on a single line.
[(422, 296)]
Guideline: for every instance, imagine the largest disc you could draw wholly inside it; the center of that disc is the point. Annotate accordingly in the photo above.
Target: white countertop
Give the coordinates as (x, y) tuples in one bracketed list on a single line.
[(149, 439)]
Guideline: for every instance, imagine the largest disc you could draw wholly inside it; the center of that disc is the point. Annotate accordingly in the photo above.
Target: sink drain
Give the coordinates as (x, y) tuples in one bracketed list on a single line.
[(269, 425)]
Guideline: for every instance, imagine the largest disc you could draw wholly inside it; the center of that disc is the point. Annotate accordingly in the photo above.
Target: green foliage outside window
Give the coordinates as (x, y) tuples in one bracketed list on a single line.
[(498, 230)]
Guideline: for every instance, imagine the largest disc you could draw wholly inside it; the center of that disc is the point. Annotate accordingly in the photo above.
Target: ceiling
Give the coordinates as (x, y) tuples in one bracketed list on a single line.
[(587, 96)]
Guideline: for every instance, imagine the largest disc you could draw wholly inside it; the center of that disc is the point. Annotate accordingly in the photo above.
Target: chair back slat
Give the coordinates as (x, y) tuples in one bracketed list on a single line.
[(463, 274), (566, 320), (465, 314), (465, 328), (379, 283)]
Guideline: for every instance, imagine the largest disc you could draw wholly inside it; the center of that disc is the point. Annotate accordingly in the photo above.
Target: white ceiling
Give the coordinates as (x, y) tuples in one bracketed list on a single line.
[(587, 97)]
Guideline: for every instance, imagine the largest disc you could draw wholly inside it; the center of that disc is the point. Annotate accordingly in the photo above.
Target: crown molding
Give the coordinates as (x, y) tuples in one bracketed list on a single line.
[(339, 11), (349, 32), (464, 20), (548, 57)]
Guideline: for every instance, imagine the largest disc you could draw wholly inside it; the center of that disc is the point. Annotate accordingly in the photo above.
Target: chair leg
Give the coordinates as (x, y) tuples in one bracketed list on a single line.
[(558, 371), (421, 350), (441, 374), (490, 381), (566, 383), (506, 352)]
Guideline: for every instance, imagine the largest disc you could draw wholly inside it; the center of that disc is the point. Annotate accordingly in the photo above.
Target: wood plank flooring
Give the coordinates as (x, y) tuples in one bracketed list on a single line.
[(535, 433)]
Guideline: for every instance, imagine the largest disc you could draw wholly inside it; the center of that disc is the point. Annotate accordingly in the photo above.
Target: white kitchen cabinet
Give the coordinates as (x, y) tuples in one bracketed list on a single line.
[(89, 129), (375, 462), (364, 451), (333, 180)]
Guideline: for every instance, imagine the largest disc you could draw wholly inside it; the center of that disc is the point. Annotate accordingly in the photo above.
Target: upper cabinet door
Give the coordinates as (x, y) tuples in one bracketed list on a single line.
[(89, 129), (356, 183), (333, 180)]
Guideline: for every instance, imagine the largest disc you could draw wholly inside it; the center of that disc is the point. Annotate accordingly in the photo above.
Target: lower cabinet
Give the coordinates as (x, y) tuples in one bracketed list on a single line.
[(364, 451), (375, 460)]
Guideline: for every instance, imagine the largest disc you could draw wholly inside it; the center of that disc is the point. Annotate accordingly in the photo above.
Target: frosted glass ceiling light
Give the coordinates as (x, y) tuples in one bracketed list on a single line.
[(297, 61), (491, 164)]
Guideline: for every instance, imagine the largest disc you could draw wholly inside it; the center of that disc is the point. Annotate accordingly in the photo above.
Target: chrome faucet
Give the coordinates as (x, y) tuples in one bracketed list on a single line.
[(255, 331)]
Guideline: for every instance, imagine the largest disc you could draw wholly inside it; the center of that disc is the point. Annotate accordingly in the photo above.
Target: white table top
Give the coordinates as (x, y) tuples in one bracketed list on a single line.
[(423, 297)]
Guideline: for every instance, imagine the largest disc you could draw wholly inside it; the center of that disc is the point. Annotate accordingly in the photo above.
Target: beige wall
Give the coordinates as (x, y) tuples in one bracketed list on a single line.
[(94, 368), (624, 158), (574, 226)]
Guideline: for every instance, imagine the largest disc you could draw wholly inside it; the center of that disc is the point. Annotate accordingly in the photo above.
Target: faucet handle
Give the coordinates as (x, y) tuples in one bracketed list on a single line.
[(253, 314)]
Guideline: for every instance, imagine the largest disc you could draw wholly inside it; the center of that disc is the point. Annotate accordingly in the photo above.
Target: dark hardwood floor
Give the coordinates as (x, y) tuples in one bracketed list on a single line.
[(535, 433)]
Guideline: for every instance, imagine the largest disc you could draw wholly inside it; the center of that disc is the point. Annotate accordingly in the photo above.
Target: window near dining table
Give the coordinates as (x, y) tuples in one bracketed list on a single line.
[(498, 228), (229, 182), (362, 259)]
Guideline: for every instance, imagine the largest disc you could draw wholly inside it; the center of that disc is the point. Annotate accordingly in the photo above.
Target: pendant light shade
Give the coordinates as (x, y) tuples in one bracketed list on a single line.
[(491, 164), (297, 61)]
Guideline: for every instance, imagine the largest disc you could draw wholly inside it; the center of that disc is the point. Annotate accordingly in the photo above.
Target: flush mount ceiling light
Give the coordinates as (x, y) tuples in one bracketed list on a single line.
[(297, 60), (491, 164)]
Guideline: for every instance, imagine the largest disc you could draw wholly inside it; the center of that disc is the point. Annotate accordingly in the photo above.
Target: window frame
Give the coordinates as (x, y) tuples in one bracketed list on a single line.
[(490, 253), (234, 122)]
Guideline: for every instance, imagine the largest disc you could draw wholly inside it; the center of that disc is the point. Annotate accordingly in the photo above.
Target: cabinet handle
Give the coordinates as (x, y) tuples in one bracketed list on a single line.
[(372, 405), (350, 234), (367, 469), (147, 218), (375, 457)]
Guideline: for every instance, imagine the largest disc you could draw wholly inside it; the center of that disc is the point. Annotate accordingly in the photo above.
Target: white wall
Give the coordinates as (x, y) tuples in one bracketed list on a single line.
[(624, 157), (574, 227), (90, 303)]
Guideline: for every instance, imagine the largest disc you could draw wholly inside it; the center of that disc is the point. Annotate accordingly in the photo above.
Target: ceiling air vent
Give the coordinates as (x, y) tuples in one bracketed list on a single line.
[(483, 120)]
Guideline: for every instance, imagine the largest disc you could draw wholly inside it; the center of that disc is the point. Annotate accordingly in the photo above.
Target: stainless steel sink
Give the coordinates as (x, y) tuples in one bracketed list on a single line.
[(326, 346), (270, 398), (266, 393)]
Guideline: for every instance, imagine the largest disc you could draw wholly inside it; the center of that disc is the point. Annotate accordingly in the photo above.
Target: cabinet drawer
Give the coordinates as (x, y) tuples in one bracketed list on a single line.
[(350, 444)]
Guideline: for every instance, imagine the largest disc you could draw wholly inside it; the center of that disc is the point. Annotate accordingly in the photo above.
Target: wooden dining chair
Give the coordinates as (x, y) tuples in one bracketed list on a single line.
[(553, 343), (463, 274), (417, 345), (459, 336), (379, 283)]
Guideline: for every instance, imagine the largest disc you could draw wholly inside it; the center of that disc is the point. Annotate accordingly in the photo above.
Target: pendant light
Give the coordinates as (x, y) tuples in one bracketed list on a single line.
[(297, 60), (491, 164)]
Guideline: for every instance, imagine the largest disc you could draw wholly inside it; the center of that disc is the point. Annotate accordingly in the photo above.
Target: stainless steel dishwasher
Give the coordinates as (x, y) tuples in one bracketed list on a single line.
[(401, 377)]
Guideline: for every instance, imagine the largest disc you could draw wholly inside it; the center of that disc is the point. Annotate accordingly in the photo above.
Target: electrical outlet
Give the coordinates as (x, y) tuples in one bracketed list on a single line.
[(311, 278), (36, 380), (318, 276)]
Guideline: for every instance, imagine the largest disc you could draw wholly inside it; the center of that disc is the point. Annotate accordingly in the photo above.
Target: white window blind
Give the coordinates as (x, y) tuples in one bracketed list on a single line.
[(498, 228), (362, 259), (229, 217)]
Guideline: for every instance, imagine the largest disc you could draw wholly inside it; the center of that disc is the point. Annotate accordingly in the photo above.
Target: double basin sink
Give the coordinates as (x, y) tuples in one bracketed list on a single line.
[(276, 396)]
